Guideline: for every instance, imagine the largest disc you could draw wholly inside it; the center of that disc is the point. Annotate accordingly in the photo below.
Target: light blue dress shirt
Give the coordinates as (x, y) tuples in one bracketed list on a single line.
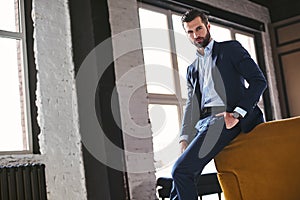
[(210, 97)]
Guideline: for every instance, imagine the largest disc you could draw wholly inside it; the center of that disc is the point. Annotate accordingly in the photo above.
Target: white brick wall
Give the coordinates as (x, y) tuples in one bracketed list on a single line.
[(56, 101)]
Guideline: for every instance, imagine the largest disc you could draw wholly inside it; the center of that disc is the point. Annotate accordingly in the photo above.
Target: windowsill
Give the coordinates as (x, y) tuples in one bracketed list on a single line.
[(15, 158)]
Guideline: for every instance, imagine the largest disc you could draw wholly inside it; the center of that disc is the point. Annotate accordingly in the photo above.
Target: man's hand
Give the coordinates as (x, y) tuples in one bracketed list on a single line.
[(230, 121), (183, 145)]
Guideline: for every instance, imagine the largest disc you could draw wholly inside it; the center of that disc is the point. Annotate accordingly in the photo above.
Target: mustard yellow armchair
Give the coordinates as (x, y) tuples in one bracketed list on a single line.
[(263, 164)]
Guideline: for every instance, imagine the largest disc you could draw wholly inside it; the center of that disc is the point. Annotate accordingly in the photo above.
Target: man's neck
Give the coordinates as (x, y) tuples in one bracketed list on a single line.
[(201, 51)]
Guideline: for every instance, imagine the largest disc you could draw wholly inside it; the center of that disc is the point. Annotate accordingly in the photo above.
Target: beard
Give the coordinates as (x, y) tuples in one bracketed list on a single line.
[(204, 41)]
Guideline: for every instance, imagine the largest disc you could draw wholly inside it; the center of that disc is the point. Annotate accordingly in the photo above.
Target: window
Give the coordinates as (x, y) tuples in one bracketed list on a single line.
[(15, 120), (165, 66), (163, 86)]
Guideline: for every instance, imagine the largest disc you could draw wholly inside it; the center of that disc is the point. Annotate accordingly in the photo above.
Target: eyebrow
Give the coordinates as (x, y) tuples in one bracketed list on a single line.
[(197, 28)]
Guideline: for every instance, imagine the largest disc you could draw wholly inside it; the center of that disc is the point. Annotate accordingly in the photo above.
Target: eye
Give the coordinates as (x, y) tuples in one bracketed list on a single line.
[(198, 28)]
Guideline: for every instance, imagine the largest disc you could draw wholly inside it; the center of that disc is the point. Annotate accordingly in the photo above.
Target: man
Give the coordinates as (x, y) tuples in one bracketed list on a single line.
[(219, 105)]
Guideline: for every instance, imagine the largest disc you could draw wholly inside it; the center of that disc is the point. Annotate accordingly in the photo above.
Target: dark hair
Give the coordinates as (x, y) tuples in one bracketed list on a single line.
[(192, 14)]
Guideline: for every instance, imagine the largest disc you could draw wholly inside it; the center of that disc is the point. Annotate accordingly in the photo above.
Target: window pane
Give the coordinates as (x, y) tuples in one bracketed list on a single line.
[(9, 15), (159, 74), (219, 33), (248, 44), (157, 52), (12, 131), (165, 128), (185, 50)]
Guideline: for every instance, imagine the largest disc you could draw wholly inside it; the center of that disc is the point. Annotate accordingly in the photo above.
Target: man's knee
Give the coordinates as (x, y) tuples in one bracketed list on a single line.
[(179, 170), (176, 170)]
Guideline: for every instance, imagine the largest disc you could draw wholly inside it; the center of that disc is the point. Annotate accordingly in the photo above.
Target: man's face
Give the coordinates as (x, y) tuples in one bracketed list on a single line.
[(197, 32)]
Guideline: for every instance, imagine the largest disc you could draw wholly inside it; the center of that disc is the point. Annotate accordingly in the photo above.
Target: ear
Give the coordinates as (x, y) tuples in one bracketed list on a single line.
[(208, 26), (184, 26)]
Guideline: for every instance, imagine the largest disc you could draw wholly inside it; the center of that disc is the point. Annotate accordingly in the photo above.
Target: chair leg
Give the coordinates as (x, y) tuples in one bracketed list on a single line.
[(219, 195)]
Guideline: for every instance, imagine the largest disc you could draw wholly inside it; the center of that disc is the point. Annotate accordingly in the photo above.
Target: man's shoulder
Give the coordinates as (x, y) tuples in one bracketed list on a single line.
[(228, 43), (194, 63)]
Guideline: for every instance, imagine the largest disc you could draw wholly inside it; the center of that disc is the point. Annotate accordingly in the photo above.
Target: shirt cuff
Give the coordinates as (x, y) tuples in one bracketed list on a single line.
[(241, 111), (183, 137)]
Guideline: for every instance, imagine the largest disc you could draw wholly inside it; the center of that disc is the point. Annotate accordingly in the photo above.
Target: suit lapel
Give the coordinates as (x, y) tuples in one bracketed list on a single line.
[(215, 53), (196, 95)]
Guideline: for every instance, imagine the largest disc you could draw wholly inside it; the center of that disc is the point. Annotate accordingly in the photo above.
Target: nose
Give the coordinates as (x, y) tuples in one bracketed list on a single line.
[(195, 35)]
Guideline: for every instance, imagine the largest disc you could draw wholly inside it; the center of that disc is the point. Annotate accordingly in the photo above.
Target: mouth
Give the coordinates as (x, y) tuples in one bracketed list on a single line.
[(199, 40)]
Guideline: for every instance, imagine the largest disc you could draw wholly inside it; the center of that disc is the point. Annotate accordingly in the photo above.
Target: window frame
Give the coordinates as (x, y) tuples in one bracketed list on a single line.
[(20, 35)]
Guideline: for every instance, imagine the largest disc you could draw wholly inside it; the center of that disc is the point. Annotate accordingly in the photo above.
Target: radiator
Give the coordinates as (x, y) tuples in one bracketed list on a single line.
[(23, 182)]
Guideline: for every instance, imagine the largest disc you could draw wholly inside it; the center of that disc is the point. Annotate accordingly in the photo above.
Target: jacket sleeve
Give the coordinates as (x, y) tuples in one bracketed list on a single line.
[(186, 128), (249, 70)]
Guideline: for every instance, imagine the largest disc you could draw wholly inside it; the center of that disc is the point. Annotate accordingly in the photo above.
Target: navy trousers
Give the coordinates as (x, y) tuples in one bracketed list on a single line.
[(211, 138)]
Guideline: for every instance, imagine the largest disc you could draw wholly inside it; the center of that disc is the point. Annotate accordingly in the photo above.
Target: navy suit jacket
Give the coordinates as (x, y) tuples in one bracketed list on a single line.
[(232, 66)]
